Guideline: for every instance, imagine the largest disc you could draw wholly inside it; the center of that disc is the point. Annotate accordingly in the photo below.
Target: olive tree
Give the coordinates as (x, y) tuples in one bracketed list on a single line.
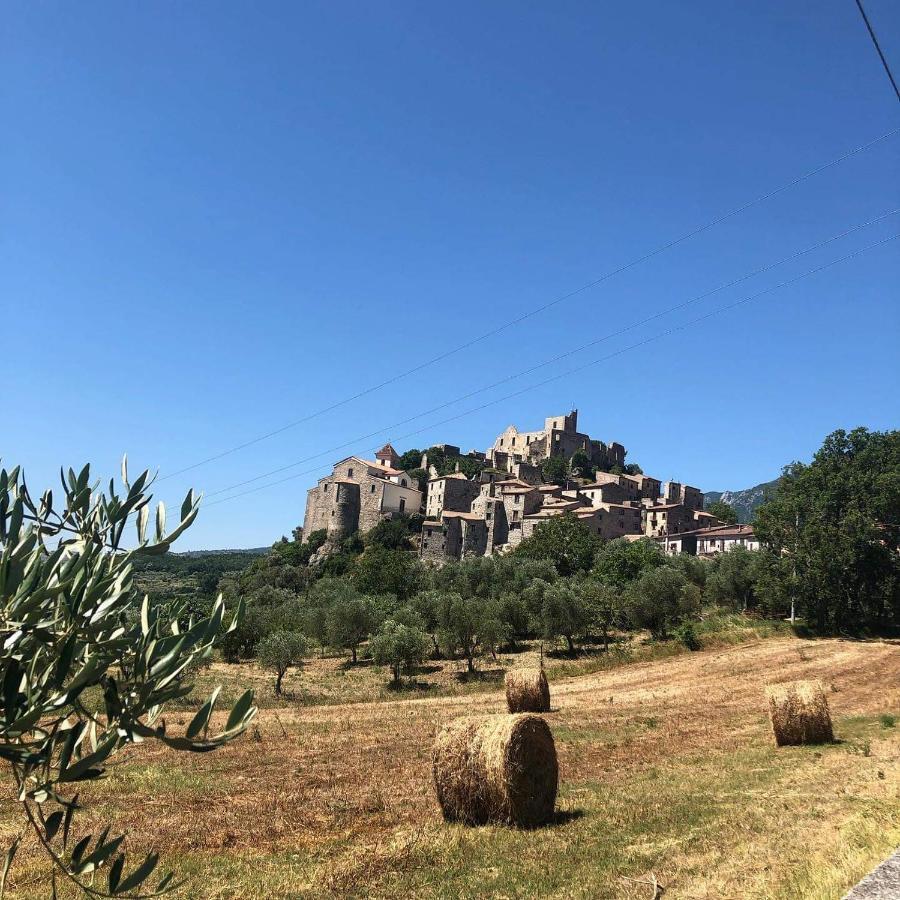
[(281, 650), (399, 646), (87, 665)]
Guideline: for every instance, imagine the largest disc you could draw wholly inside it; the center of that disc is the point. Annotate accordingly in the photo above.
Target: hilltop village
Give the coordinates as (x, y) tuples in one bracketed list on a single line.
[(481, 503)]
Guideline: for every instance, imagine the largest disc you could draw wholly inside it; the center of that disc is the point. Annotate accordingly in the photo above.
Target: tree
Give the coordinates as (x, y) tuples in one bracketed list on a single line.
[(389, 534), (660, 599), (619, 562), (493, 631), (836, 520), (733, 578), (382, 571), (460, 619), (241, 642), (399, 646), (554, 470), (564, 613), (281, 650), (580, 465), (410, 460), (632, 469), (88, 665), (723, 511), (350, 621), (512, 611), (566, 542), (605, 608)]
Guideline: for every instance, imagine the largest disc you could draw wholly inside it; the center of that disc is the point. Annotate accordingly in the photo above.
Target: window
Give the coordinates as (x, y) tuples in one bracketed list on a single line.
[(402, 503), (325, 487), (518, 498), (372, 489), (403, 482), (349, 473)]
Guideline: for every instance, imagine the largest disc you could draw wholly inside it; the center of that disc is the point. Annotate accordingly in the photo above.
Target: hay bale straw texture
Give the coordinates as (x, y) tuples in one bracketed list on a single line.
[(499, 768), (527, 690), (799, 713)]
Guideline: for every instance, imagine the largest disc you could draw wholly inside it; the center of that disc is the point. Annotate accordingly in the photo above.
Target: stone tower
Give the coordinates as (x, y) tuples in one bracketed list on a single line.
[(344, 517)]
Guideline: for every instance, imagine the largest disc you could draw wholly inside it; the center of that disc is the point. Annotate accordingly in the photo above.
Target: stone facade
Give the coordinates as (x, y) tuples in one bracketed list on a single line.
[(559, 437), (493, 513), (666, 519), (453, 493), (359, 494)]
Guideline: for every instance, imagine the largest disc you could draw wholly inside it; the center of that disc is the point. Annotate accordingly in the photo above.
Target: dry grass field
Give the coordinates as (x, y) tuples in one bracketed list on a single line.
[(668, 769)]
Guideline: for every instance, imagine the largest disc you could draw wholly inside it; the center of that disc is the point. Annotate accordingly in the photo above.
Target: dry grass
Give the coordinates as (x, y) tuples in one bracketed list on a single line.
[(527, 690), (666, 766), (499, 768)]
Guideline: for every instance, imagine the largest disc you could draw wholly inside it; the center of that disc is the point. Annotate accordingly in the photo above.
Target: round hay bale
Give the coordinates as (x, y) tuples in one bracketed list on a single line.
[(799, 713), (527, 690), (497, 768)]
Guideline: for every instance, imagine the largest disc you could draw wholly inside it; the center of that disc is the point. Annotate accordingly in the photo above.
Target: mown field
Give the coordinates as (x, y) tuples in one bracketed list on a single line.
[(668, 770)]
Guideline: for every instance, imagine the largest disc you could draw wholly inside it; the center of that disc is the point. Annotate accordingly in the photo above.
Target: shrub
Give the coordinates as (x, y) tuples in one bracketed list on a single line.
[(687, 635)]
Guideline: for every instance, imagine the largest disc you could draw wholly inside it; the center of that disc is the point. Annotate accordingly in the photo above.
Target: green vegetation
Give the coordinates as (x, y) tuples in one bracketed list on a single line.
[(281, 650), (723, 511), (837, 520), (567, 587), (87, 667)]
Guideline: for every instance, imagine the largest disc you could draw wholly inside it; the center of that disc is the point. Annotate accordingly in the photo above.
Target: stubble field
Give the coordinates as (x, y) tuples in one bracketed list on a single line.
[(667, 767)]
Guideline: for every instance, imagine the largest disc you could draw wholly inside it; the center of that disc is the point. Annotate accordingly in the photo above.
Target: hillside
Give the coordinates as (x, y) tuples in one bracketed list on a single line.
[(745, 501)]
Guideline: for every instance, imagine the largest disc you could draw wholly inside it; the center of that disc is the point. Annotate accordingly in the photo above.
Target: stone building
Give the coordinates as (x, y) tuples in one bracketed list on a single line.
[(676, 492), (559, 437), (358, 494), (647, 487), (453, 493), (493, 513), (666, 519)]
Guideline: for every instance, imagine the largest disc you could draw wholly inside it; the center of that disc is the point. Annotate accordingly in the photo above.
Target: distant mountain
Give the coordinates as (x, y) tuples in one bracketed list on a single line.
[(257, 551), (745, 501)]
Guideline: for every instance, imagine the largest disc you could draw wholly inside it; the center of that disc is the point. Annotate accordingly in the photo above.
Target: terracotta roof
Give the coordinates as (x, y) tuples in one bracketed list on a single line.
[(386, 452), (717, 531)]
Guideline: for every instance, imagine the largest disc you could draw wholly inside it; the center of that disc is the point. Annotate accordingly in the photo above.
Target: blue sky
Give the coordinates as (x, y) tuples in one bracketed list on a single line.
[(218, 218)]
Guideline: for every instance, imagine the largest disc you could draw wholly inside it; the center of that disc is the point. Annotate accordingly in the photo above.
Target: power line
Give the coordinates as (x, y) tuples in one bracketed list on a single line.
[(577, 369), (563, 355), (536, 311), (872, 35)]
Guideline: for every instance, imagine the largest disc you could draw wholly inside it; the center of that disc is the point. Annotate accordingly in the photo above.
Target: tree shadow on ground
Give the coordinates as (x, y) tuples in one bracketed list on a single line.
[(349, 665), (410, 687), (481, 675), (427, 670)]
